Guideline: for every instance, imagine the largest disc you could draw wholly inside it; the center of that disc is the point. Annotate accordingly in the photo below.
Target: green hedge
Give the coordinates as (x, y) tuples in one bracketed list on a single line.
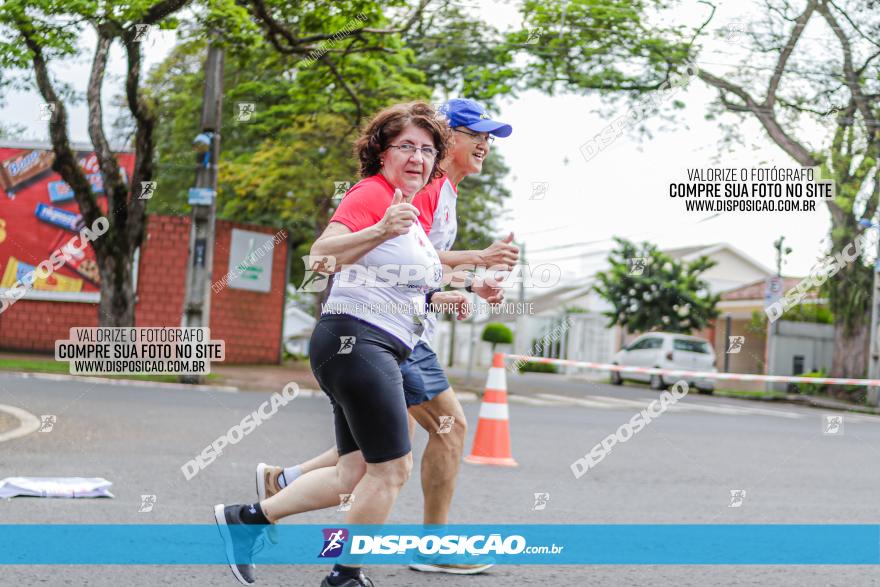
[(538, 368)]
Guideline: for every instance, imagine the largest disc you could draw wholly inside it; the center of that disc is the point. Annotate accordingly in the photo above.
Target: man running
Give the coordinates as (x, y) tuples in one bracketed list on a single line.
[(429, 396)]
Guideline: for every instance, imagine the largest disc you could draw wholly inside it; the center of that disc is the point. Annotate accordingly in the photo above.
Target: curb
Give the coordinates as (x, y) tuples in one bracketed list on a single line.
[(107, 381), (813, 403), (463, 396), (29, 423)]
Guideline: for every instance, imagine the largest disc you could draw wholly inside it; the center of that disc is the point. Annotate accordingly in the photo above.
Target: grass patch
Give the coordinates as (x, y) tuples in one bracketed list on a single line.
[(52, 366), (751, 394)]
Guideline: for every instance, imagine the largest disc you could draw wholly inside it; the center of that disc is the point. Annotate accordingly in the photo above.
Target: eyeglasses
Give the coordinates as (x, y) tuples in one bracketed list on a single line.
[(409, 150), (477, 138)]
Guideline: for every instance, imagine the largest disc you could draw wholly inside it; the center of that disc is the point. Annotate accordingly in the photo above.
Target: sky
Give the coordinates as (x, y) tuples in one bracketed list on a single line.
[(622, 191)]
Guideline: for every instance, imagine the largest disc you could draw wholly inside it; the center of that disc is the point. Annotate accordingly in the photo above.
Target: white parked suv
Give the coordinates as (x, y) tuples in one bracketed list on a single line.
[(666, 350)]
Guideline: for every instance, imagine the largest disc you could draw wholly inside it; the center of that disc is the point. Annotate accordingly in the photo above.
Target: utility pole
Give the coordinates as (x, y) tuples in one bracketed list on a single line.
[(873, 398), (522, 279), (197, 300), (772, 327)]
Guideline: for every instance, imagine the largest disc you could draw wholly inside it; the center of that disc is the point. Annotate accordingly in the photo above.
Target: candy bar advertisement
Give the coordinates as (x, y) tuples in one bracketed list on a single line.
[(38, 216)]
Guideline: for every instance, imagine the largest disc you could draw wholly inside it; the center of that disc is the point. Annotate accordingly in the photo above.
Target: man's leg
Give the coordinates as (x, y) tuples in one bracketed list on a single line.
[(317, 489), (271, 478), (444, 420), (326, 459)]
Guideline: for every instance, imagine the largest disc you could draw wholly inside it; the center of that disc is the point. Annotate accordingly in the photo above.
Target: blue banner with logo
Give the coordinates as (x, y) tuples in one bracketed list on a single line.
[(612, 544)]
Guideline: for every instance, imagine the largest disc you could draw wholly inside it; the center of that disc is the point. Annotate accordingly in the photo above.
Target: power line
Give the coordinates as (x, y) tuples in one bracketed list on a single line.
[(569, 246), (554, 229)]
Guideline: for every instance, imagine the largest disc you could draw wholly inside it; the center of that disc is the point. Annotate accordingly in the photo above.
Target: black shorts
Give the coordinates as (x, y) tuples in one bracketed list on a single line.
[(358, 366)]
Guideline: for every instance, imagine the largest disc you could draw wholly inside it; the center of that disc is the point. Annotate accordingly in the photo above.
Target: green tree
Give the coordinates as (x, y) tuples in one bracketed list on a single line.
[(37, 33), (282, 166), (617, 47), (794, 84), (348, 52), (837, 90), (497, 333), (649, 290)]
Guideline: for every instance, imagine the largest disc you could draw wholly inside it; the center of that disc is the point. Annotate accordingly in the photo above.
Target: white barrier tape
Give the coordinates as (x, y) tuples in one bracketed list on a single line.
[(698, 374)]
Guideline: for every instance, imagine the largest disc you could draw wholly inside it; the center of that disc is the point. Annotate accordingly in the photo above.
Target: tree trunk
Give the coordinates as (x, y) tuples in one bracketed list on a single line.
[(117, 294), (850, 359), (451, 342)]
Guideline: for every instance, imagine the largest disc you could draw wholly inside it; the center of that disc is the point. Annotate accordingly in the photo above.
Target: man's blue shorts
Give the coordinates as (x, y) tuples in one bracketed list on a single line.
[(423, 377)]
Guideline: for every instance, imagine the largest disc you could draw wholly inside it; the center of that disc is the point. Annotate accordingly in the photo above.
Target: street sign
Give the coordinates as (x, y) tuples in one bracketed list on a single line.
[(772, 289), (200, 196)]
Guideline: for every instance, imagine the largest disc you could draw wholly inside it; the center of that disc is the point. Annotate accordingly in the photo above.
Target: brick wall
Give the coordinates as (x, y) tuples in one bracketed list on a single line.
[(249, 322)]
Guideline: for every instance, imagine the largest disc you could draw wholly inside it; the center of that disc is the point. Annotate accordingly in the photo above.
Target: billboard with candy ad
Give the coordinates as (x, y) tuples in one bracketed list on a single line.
[(39, 215)]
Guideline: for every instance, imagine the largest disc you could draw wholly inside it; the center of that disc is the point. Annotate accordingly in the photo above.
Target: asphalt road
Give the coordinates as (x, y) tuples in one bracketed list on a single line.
[(680, 469)]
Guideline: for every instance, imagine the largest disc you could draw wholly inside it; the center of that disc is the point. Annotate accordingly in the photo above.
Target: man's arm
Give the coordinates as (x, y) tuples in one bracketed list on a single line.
[(500, 254)]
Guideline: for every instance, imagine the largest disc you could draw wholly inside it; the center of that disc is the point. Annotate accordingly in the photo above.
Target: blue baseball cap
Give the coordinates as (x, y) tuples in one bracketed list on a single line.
[(464, 112)]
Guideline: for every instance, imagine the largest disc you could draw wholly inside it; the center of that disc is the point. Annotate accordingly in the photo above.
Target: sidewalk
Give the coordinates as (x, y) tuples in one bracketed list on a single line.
[(243, 377), (266, 377)]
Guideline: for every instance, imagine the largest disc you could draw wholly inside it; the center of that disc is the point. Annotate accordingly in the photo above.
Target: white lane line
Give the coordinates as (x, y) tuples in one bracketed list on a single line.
[(564, 399), (861, 418), (29, 423), (630, 403), (766, 412), (609, 403), (534, 401)]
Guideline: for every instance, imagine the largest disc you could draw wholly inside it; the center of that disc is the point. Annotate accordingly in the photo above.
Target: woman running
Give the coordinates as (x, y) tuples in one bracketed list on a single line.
[(365, 332)]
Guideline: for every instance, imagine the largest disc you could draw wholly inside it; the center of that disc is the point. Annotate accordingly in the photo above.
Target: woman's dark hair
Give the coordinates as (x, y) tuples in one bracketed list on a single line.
[(389, 123)]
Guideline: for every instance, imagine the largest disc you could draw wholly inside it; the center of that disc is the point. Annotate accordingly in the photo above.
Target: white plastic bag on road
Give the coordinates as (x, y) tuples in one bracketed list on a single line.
[(55, 487)]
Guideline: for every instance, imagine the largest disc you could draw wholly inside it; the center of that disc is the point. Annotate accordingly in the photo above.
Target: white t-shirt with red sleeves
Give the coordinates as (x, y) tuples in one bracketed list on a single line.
[(387, 286), (437, 201)]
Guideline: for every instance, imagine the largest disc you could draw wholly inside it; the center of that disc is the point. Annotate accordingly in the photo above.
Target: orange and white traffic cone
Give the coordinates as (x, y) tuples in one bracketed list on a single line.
[(492, 440)]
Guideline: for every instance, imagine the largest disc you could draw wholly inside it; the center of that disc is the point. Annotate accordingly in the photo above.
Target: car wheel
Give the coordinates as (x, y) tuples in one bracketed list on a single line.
[(705, 390), (616, 379), (657, 382)]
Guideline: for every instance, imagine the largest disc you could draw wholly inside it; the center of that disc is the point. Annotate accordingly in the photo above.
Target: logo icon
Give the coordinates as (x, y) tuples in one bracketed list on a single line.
[(147, 503), (541, 500), (736, 498), (446, 424), (334, 542), (245, 111), (735, 32), (340, 188), (420, 312), (637, 265), (47, 422), (318, 270), (540, 189), (346, 345), (345, 502), (735, 344), (148, 188), (534, 35), (832, 424), (141, 32), (47, 111)]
